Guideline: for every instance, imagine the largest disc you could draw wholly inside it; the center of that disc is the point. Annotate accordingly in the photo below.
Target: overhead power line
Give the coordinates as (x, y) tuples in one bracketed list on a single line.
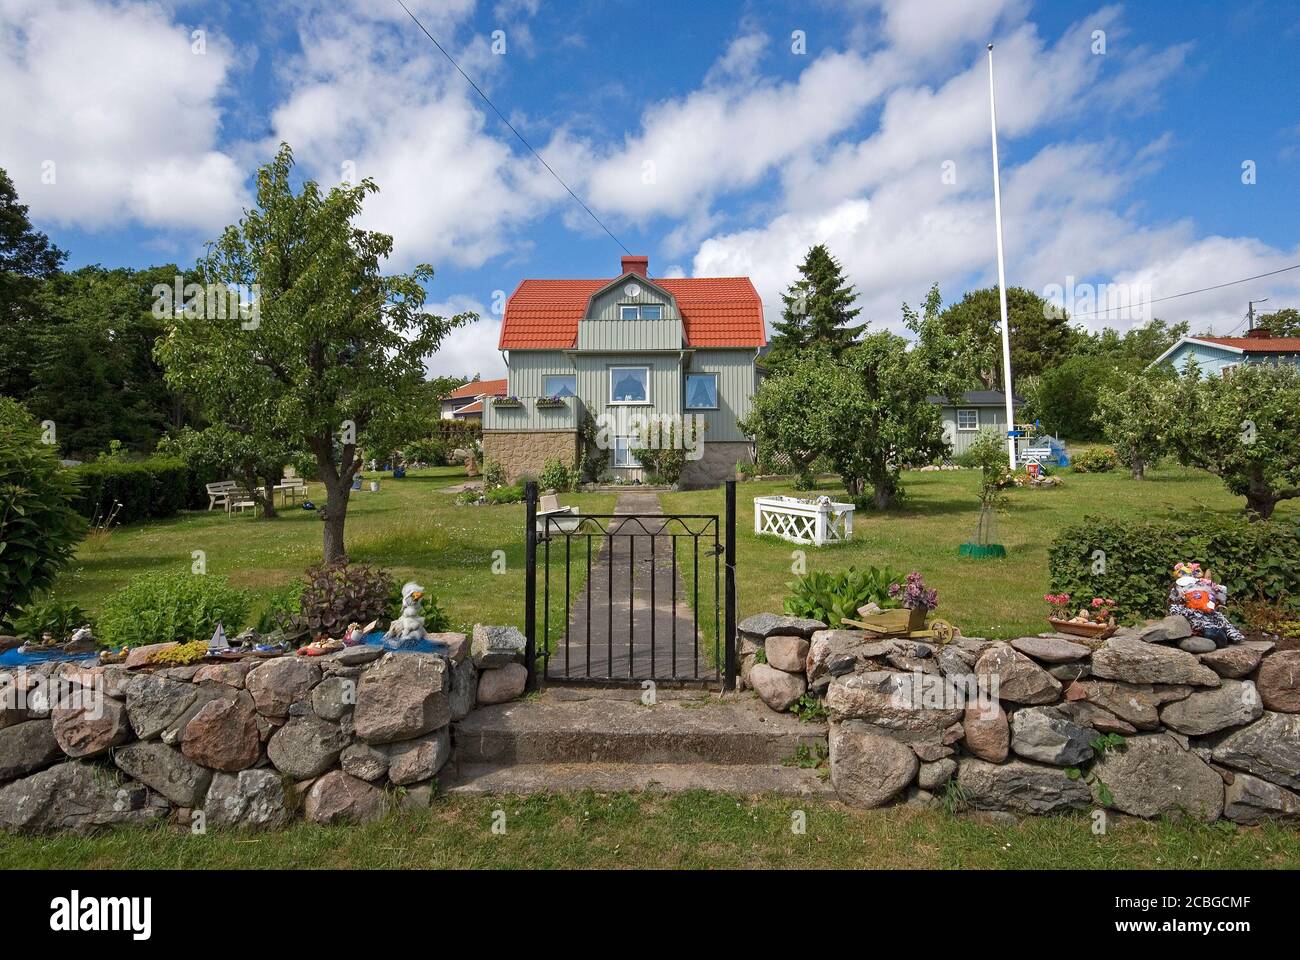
[(502, 117), (1186, 293)]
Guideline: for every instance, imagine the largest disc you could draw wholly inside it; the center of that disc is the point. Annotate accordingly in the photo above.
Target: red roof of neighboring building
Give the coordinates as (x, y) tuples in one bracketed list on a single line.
[(1256, 344), (716, 312), (479, 388)]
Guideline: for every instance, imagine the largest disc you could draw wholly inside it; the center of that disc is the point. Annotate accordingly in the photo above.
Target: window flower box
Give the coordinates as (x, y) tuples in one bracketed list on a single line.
[(506, 403), (551, 403)]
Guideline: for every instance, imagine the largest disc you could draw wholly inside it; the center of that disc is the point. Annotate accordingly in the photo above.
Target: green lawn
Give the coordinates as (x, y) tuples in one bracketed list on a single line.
[(694, 830), (923, 532), (411, 527)]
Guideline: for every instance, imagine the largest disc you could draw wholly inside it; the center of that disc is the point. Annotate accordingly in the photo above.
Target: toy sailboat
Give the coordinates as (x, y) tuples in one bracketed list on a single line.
[(218, 643)]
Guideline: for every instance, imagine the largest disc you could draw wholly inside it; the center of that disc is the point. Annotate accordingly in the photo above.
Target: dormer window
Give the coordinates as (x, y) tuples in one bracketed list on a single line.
[(641, 311)]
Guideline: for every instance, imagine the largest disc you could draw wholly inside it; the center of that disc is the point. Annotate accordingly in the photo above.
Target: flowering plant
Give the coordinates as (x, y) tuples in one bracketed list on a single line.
[(551, 401), (1103, 608), (1060, 603), (510, 401), (913, 594)]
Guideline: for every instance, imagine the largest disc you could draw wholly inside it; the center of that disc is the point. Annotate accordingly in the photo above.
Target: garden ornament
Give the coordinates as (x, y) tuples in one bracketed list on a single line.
[(410, 625)]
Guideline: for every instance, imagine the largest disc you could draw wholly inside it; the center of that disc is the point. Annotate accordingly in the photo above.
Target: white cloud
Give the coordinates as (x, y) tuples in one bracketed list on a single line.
[(470, 349), (115, 98)]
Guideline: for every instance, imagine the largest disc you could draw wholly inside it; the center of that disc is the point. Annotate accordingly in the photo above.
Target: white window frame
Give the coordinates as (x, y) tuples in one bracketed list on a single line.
[(630, 403), (636, 311), (547, 392), (626, 445), (974, 410), (686, 398), (1227, 368)]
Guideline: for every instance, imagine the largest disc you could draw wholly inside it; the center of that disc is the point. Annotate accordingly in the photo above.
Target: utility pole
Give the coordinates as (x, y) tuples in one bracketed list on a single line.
[(1250, 312), (1002, 276)]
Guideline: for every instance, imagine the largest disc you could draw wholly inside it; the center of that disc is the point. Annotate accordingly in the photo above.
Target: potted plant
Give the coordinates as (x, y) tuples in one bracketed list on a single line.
[(1060, 604), (1097, 620), (550, 402), (510, 401), (916, 598)]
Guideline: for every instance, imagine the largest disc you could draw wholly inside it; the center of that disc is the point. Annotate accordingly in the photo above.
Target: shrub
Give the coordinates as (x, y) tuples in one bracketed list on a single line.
[(1095, 460), (58, 618), (494, 474), (147, 489), (511, 494), (1253, 560), (163, 607), (39, 525), (830, 597), (341, 593), (559, 476), (431, 450)]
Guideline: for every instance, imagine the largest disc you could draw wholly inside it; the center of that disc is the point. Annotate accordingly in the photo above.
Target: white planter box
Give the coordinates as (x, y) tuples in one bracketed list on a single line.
[(798, 520)]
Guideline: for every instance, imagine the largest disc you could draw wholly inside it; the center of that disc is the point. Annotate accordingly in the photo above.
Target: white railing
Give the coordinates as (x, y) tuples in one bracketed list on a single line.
[(819, 522)]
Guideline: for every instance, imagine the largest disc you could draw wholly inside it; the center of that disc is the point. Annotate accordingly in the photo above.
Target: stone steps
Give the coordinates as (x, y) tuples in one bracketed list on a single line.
[(743, 779), (570, 738)]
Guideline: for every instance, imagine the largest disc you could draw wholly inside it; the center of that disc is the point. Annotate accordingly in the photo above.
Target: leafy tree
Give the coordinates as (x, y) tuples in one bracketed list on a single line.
[(1281, 323), (953, 361), (818, 310), (881, 417), (781, 417), (235, 449), (1139, 345), (1244, 428), (94, 373), (39, 529), (334, 344), (1041, 336), (1136, 419), (1065, 397), (26, 258), (988, 453)]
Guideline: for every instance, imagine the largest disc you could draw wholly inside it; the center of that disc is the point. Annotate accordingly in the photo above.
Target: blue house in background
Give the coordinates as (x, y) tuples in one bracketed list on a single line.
[(1219, 355)]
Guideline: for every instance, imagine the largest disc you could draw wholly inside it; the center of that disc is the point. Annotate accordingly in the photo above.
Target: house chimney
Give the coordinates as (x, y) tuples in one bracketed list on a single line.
[(637, 265), (1259, 333)]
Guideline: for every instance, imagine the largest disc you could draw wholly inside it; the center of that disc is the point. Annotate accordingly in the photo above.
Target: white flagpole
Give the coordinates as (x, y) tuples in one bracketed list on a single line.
[(1002, 274)]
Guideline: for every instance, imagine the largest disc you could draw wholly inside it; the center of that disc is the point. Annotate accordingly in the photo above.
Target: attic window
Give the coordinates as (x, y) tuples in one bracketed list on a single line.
[(641, 311)]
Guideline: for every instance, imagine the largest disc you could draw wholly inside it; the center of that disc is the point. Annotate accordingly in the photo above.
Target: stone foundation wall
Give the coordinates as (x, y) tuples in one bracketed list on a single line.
[(1015, 725), (525, 452), (717, 465), (253, 743)]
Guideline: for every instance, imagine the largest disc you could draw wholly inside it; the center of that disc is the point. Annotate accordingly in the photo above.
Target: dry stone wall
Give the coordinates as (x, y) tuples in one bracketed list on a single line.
[(1021, 725), (248, 744)]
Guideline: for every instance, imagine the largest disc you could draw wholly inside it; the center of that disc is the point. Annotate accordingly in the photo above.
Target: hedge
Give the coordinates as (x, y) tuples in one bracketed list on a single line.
[(1253, 559), (147, 489)]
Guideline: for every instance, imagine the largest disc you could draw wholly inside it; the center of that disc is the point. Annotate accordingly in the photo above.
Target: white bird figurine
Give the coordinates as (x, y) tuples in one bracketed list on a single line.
[(410, 625)]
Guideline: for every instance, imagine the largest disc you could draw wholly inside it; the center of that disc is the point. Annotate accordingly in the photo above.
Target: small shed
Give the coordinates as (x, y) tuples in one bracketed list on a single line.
[(975, 410)]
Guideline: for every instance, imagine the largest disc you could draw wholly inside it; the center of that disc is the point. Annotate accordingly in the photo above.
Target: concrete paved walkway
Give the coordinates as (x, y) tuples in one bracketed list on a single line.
[(625, 624)]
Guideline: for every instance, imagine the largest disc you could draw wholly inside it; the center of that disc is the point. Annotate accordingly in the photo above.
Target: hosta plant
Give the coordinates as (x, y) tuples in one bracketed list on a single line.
[(831, 597)]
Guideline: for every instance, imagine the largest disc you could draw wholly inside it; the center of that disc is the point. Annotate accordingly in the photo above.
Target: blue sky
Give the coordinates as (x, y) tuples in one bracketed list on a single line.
[(698, 133)]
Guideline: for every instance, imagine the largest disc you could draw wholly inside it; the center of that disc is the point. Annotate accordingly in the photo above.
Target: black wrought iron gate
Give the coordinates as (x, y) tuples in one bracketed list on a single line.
[(630, 597)]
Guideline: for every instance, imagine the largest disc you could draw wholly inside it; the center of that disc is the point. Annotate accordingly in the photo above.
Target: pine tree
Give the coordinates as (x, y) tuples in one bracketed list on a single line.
[(818, 310)]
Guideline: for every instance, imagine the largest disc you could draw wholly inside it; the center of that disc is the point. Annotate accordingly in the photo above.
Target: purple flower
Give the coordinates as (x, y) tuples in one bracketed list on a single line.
[(913, 594)]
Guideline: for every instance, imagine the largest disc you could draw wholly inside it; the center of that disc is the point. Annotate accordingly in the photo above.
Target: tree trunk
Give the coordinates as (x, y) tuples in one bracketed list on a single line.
[(1139, 468), (336, 514), (883, 494), (268, 504), (1260, 504)]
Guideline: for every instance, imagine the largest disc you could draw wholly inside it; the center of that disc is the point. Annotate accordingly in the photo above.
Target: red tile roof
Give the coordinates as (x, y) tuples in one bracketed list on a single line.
[(1256, 344), (479, 388), (716, 312)]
